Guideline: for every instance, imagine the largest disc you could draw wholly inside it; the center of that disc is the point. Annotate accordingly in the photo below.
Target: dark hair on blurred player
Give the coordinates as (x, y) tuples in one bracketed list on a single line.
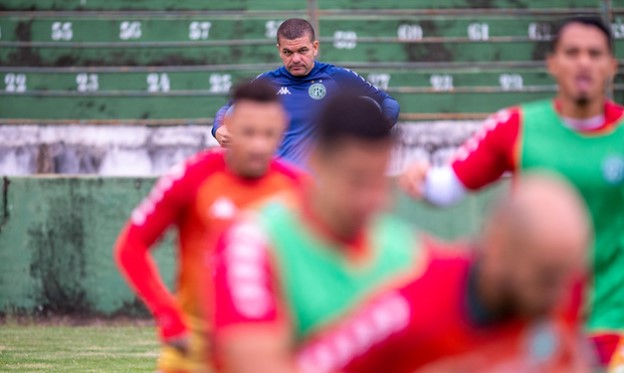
[(261, 92), (591, 21), (339, 122)]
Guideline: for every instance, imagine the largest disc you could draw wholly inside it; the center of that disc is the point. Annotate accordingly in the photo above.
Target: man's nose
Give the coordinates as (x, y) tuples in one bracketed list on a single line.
[(584, 59)]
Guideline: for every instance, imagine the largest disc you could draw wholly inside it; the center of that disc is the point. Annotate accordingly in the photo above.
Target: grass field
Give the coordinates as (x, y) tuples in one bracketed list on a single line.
[(65, 348)]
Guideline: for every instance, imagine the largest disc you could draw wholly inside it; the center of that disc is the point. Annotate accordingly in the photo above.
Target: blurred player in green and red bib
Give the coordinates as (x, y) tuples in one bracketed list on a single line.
[(504, 303), (297, 263), (579, 135)]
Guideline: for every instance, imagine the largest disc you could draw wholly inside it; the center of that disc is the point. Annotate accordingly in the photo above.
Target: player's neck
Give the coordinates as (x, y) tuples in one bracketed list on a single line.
[(235, 169), (325, 221), (487, 294), (569, 108)]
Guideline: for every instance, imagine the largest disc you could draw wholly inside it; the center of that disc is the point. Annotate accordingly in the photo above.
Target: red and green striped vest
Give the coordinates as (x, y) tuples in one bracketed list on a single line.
[(318, 282)]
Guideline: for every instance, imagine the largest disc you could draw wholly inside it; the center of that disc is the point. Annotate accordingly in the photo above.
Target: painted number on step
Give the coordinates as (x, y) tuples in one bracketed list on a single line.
[(62, 31), (158, 82), (199, 30), (15, 82), (478, 31), (345, 39), (410, 32), (380, 81), (220, 83), (129, 30), (87, 82), (441, 82)]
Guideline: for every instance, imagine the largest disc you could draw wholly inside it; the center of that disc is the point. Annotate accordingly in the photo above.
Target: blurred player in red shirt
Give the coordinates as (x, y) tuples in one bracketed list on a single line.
[(200, 198), (506, 306)]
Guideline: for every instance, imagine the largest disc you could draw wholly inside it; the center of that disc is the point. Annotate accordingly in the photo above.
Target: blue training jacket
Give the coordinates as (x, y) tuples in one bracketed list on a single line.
[(303, 96)]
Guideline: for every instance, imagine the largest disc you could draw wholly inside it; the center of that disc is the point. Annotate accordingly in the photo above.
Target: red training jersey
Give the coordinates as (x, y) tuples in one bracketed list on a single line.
[(200, 198)]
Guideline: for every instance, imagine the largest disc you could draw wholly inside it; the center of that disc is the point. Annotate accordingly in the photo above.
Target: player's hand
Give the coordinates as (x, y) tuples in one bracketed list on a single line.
[(181, 344), (412, 180), (223, 136)]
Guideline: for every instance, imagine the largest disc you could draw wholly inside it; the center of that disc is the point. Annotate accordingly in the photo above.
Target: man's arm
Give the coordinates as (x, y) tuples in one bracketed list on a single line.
[(481, 160), (219, 130), (252, 333), (148, 222), (352, 81)]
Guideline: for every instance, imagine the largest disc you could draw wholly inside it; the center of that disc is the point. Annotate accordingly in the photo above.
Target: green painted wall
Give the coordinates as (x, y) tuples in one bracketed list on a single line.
[(57, 234)]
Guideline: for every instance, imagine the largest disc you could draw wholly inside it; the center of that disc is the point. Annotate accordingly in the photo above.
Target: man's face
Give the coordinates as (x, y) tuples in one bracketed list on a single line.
[(582, 63), (256, 130), (298, 54), (351, 181)]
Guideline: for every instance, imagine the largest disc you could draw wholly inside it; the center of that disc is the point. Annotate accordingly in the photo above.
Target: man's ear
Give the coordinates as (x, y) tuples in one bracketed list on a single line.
[(316, 47), (614, 70), (550, 63)]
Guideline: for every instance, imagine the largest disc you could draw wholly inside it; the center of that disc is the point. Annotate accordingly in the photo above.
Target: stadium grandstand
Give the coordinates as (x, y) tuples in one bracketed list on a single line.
[(168, 63)]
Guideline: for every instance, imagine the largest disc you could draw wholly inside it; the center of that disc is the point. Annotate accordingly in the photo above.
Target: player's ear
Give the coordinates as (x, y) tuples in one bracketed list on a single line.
[(551, 63), (315, 45), (614, 68)]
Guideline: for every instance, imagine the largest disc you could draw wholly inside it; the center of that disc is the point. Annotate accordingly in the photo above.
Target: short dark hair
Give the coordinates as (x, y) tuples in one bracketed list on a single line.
[(256, 91), (294, 28), (592, 21), (350, 116)]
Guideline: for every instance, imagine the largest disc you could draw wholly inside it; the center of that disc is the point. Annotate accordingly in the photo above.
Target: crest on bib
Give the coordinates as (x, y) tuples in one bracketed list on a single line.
[(613, 169)]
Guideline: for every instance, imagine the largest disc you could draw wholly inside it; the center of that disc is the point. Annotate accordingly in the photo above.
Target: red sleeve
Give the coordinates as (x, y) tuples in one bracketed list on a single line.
[(245, 286), (149, 220), (490, 152)]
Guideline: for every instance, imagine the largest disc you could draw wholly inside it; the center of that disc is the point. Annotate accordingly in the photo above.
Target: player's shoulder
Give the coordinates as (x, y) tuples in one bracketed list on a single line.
[(612, 105), (272, 76), (614, 112), (456, 253), (339, 71), (202, 164), (288, 171), (214, 157), (503, 119)]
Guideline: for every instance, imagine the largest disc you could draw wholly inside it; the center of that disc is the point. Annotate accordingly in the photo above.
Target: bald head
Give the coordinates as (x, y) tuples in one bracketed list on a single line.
[(536, 241)]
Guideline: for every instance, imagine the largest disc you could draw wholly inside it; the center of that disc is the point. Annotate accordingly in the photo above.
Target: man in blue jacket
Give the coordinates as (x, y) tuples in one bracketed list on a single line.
[(304, 84)]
